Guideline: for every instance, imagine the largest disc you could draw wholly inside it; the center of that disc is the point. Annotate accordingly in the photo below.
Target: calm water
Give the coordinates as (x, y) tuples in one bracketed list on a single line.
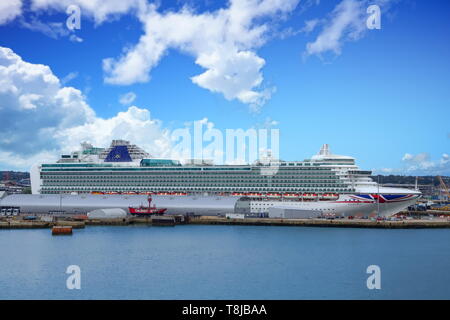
[(225, 262)]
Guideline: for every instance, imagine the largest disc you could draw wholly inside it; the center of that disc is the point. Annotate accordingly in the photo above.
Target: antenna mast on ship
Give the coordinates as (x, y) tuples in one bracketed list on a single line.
[(378, 197)]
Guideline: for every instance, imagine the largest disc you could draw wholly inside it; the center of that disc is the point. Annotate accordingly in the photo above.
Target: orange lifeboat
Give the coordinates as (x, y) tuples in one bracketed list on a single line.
[(329, 196), (274, 195), (290, 195)]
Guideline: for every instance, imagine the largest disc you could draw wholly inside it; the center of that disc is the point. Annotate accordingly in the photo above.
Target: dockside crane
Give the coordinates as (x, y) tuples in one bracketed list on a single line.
[(442, 186)]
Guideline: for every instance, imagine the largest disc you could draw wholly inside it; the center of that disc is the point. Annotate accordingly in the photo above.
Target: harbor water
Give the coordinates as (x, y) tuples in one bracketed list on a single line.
[(225, 262)]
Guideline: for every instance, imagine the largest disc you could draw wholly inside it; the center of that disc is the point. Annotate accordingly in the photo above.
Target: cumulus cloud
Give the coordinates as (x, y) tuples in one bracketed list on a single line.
[(423, 163), (69, 77), (9, 10), (42, 118), (222, 42), (54, 30), (35, 105), (310, 25), (75, 38), (127, 98), (347, 22), (445, 159), (100, 10), (135, 125)]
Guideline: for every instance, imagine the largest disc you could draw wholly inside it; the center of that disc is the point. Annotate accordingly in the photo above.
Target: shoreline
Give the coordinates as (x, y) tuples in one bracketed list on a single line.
[(209, 220)]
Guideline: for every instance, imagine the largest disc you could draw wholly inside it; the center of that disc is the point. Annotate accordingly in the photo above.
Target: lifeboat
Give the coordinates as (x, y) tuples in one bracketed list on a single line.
[(273, 195), (329, 196), (290, 195), (309, 196), (254, 195)]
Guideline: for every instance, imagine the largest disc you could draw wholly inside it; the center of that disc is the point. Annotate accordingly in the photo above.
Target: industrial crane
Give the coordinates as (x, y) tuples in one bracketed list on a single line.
[(443, 186)]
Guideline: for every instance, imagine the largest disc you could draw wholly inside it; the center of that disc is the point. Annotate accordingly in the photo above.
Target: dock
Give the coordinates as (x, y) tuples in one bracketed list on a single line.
[(24, 224), (18, 223), (342, 223)]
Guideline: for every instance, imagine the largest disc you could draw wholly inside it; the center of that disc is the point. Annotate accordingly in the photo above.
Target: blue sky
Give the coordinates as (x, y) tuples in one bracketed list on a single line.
[(381, 96)]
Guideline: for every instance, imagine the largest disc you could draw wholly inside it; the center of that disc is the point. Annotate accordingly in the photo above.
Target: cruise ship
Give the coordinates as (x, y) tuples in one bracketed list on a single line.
[(329, 183)]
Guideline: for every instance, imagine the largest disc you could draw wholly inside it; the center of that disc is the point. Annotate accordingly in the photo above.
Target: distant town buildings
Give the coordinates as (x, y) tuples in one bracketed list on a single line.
[(15, 182)]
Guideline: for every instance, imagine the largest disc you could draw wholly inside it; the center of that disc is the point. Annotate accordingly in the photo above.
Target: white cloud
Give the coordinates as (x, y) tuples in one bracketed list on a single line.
[(127, 98), (135, 125), (100, 10), (69, 77), (310, 25), (347, 22), (35, 105), (407, 157), (422, 163), (42, 118), (75, 38), (54, 30), (445, 159), (9, 10), (387, 170), (266, 123), (223, 42), (12, 161)]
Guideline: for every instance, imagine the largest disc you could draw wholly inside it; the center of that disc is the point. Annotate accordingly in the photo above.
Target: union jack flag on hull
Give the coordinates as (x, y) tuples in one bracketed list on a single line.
[(383, 198)]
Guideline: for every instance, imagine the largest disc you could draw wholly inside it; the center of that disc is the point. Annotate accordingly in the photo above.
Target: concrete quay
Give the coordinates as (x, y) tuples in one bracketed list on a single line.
[(17, 223), (343, 223)]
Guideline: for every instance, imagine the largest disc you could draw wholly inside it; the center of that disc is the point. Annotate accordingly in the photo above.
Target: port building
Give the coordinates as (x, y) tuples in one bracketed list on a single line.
[(82, 204)]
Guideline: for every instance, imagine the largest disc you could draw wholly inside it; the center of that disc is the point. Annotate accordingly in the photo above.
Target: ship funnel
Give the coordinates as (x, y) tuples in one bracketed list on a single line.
[(325, 150)]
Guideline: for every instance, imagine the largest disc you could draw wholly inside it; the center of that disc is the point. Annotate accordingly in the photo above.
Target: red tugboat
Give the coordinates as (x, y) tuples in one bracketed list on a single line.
[(146, 211)]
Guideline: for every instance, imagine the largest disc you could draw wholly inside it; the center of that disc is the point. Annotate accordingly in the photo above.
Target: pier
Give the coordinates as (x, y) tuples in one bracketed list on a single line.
[(20, 223), (339, 223)]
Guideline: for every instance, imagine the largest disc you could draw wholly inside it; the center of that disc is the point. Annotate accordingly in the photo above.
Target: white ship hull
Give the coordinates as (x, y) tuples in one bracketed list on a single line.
[(362, 205)]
